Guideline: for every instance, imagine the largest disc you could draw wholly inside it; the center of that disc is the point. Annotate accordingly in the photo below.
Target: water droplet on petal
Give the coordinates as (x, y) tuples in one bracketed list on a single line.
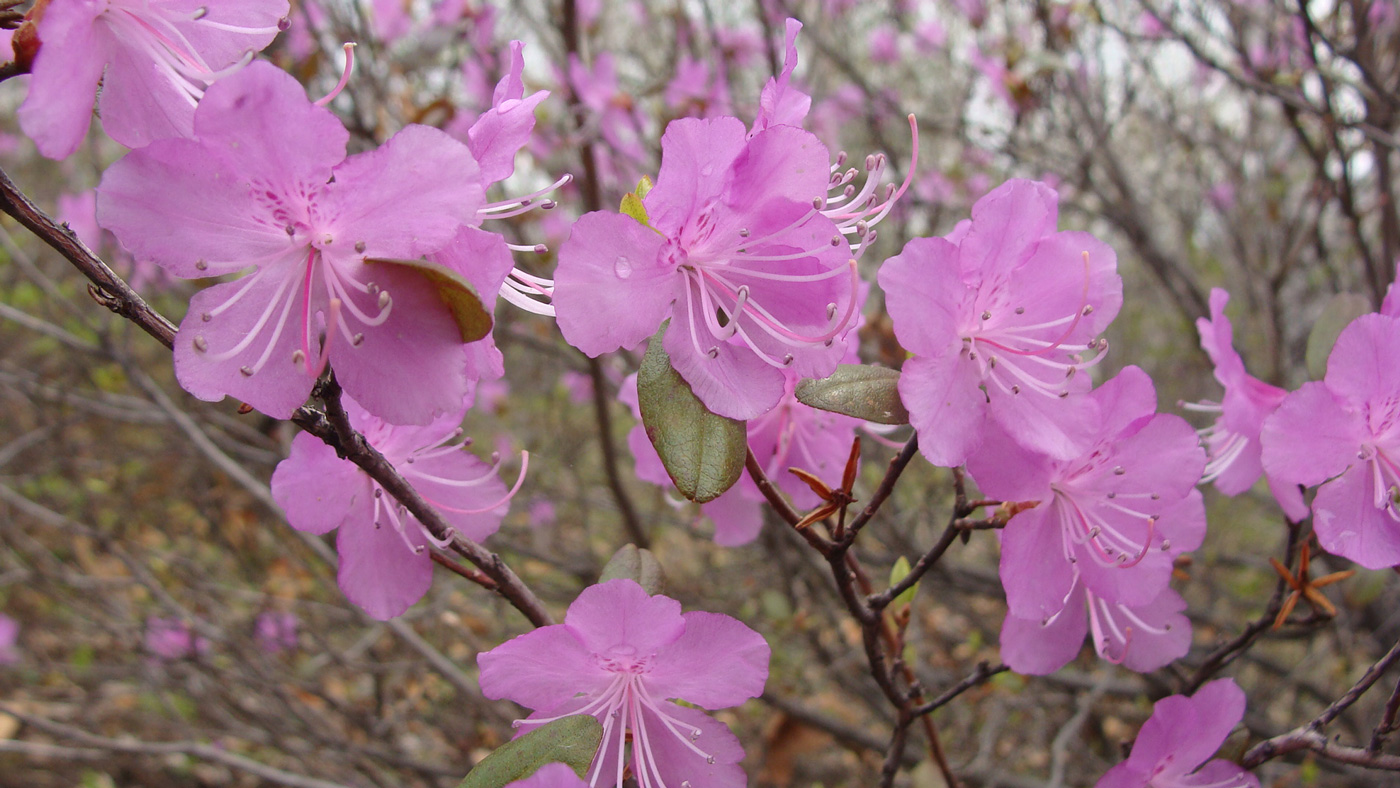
[(201, 344), (709, 759), (206, 317), (623, 268), (247, 372)]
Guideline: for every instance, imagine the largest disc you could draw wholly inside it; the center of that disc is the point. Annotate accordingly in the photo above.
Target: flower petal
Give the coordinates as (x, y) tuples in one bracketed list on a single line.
[(378, 570), (1006, 225), (610, 292), (619, 617), (174, 203), (315, 488), (717, 663), (406, 198), (1349, 524), (925, 295), (58, 109), (258, 330), (1037, 578), (677, 763), (735, 383), (946, 405), (541, 670), (1312, 437), (1041, 646), (419, 342)]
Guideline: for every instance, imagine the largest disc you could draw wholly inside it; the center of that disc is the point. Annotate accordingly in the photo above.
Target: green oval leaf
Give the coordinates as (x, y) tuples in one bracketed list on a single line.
[(865, 392), (703, 453), (456, 293), (638, 565), (572, 741)]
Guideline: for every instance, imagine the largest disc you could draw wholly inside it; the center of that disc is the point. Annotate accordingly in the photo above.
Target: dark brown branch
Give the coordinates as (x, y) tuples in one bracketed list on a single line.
[(892, 474), (981, 676)]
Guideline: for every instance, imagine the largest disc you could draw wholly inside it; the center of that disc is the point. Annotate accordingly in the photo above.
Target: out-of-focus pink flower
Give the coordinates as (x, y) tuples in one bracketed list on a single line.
[(9, 640), (154, 58), (541, 513), (1179, 736), (172, 638), (883, 44), (930, 37), (276, 631), (624, 657)]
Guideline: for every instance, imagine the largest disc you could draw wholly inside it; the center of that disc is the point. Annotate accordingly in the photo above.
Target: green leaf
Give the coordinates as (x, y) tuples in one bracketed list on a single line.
[(632, 202), (638, 565), (1340, 310), (703, 453), (898, 572), (572, 741), (456, 293), (865, 392)]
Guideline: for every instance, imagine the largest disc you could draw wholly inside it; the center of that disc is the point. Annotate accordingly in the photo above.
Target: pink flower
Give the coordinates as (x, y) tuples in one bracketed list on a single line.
[(276, 631), (735, 251), (384, 563), (999, 315), (172, 639), (154, 59), (1113, 517), (621, 656), (9, 638), (1343, 433), (1179, 736), (1232, 442), (266, 183), (1139, 637)]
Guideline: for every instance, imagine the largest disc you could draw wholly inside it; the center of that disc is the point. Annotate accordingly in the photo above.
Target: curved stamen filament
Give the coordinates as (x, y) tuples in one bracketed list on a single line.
[(520, 480), (344, 77), (1098, 614), (514, 207), (775, 327), (1108, 546), (273, 303)]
